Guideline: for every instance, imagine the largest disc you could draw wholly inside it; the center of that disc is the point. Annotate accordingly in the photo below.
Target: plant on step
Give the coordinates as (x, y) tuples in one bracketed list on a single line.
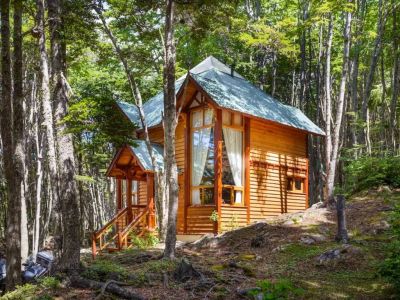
[(279, 290), (214, 216), (390, 268), (148, 240)]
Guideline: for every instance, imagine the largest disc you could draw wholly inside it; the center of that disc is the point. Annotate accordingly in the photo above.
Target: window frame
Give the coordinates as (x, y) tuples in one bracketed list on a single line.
[(203, 109), (293, 189), (240, 128)]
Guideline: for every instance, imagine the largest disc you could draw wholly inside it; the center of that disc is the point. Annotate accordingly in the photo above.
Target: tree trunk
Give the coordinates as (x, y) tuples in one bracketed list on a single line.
[(70, 256), (159, 178), (328, 109), (370, 78), (48, 119), (170, 123), (13, 171), (333, 156), (395, 84)]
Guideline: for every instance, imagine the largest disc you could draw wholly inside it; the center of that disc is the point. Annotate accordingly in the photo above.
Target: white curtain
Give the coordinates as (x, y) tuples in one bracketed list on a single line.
[(200, 144), (234, 147)]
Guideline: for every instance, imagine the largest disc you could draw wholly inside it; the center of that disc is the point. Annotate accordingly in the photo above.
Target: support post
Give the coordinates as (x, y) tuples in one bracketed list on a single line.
[(150, 202), (129, 199), (119, 194), (188, 171), (94, 247), (218, 168), (341, 220), (247, 167)]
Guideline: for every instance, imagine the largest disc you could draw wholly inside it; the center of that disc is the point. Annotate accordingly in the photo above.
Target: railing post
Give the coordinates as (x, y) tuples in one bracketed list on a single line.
[(94, 250), (150, 202), (119, 242)]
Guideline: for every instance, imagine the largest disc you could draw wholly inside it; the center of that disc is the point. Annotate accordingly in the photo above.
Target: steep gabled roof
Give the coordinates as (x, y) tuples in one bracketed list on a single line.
[(228, 90), (143, 155)]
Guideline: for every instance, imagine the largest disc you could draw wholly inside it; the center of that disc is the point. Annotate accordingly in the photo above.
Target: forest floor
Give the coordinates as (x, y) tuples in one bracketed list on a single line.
[(299, 247)]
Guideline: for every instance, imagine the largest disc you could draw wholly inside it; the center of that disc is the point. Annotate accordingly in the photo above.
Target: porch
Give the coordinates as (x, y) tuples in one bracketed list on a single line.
[(135, 211)]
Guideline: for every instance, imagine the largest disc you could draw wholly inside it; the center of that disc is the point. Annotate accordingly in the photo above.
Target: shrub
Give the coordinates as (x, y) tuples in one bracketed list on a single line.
[(281, 289), (390, 268), (148, 240), (49, 283), (368, 172), (22, 292), (102, 270)]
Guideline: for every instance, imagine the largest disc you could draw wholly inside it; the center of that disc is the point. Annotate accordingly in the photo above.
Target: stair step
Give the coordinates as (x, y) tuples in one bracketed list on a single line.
[(112, 249)]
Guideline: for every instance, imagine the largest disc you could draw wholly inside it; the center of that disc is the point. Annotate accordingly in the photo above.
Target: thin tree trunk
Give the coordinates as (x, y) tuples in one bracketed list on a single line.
[(48, 120), (170, 123), (18, 129), (161, 207), (370, 78), (70, 255), (328, 108), (13, 176), (395, 83), (335, 140)]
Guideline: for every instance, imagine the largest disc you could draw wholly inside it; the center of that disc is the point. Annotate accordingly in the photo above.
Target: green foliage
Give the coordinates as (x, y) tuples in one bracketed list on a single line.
[(369, 172), (102, 270), (279, 290), (146, 241), (390, 268), (49, 283), (214, 216), (23, 292)]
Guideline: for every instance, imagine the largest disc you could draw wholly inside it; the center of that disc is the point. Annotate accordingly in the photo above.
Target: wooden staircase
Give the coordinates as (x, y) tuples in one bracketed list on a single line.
[(115, 235)]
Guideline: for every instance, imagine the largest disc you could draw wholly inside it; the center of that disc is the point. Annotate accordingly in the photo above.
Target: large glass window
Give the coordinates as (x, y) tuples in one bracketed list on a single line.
[(232, 158), (202, 160)]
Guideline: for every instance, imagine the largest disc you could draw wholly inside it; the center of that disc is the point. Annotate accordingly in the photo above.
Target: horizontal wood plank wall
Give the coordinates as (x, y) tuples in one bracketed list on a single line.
[(274, 149), (142, 193), (233, 217), (198, 219), (157, 135)]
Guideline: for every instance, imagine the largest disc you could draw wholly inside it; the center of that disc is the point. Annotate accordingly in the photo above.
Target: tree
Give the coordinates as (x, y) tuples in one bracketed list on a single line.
[(13, 165), (170, 122), (333, 137), (69, 201)]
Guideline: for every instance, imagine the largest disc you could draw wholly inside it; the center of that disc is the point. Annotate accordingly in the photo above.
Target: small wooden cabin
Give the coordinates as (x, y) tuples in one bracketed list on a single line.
[(241, 155)]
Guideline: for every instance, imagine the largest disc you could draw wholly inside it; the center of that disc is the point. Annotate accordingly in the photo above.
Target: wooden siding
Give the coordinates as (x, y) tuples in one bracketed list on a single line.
[(275, 152), (142, 193), (157, 135), (233, 217), (198, 219)]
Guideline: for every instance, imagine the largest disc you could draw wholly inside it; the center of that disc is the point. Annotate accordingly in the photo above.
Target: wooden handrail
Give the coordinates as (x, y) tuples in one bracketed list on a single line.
[(124, 233), (99, 232)]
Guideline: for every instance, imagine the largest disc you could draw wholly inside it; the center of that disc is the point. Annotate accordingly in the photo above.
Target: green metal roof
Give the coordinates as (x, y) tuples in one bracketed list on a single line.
[(228, 90), (143, 155)]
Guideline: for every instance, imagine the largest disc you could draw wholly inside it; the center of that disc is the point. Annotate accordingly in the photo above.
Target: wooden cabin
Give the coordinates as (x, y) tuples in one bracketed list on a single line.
[(241, 155)]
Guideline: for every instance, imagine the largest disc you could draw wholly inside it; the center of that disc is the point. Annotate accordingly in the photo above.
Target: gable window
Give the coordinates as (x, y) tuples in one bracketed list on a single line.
[(202, 158), (295, 184), (232, 158)]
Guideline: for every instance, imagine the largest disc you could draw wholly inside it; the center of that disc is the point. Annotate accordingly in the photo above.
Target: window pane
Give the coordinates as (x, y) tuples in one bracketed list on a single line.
[(226, 117), (197, 118), (226, 195), (298, 184), (208, 173), (238, 197), (237, 119), (232, 157), (196, 197), (289, 184), (207, 194), (208, 116)]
